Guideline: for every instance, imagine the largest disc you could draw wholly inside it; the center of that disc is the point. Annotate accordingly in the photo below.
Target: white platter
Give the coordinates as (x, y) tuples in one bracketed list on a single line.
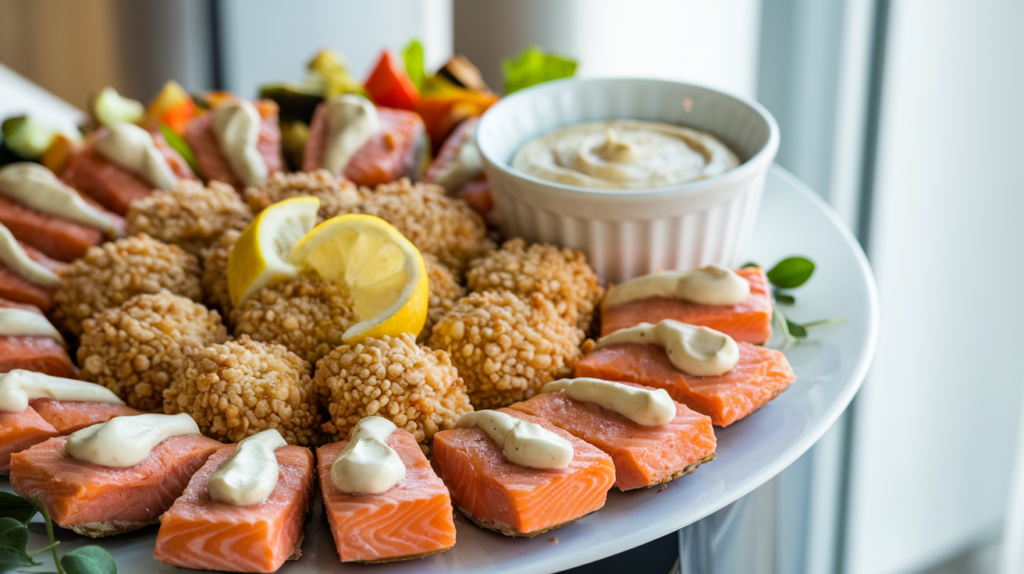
[(830, 369)]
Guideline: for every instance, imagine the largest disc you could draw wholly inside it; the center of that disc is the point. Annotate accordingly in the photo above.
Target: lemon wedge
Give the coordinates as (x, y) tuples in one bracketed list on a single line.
[(382, 270), (260, 258)]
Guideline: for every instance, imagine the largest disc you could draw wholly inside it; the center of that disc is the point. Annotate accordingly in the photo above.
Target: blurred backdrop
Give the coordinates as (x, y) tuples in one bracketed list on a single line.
[(904, 114)]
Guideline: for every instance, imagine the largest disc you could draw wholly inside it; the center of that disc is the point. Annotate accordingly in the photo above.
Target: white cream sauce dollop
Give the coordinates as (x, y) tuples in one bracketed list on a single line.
[(18, 387), (467, 165), (36, 187), (648, 407), (711, 285), (524, 443), (16, 322), (14, 256), (249, 475), (126, 441), (351, 122), (368, 465), (697, 351), (236, 126), (132, 148)]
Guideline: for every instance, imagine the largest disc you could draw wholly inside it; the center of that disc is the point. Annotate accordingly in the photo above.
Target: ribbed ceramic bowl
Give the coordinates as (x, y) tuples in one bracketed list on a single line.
[(626, 233)]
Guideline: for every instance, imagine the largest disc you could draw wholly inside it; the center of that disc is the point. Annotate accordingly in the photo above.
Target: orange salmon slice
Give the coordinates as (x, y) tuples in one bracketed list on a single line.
[(413, 519), (15, 288), (212, 162), (95, 500), (750, 321), (40, 354), (57, 238), (396, 151), (70, 416), (515, 500), (205, 535), (758, 377), (19, 431), (643, 455)]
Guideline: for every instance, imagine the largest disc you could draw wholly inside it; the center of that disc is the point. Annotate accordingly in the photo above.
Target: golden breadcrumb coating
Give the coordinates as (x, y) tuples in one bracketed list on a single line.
[(561, 275), (505, 347), (135, 349), (308, 316), (190, 215), (111, 273), (215, 272), (435, 223), (414, 387), (444, 292), (239, 388), (334, 194)]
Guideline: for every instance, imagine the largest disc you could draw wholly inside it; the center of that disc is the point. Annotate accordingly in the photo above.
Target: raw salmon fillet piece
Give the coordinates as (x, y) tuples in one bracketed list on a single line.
[(760, 375), (112, 186), (95, 500), (449, 152), (19, 431), (57, 238), (40, 354), (70, 416), (15, 288), (199, 533), (643, 455), (516, 500), (396, 151), (750, 321), (212, 162), (411, 520)]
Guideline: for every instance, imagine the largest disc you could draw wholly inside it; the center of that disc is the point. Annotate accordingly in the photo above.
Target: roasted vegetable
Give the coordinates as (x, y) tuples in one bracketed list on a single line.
[(26, 137), (447, 107), (108, 107), (293, 142), (330, 66), (462, 73), (296, 100), (412, 57), (56, 156), (389, 85), (172, 106)]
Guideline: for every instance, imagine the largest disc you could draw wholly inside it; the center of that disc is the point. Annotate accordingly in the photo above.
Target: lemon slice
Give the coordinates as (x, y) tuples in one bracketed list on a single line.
[(382, 270), (260, 257)]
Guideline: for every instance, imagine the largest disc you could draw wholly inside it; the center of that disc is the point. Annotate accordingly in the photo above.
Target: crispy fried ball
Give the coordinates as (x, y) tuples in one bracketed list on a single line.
[(335, 195), (135, 349), (561, 275), (414, 387), (505, 347), (435, 223), (215, 271), (444, 292), (111, 273), (190, 216), (239, 388), (308, 316)]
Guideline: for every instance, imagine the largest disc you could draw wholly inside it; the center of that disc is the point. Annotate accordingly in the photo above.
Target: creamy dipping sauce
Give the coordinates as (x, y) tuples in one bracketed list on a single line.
[(132, 148), (368, 465), (625, 154), (249, 475), (36, 187), (524, 443), (126, 441), (648, 407), (13, 256), (467, 165), (697, 351), (711, 285), (23, 323), (18, 387), (236, 126), (351, 122)]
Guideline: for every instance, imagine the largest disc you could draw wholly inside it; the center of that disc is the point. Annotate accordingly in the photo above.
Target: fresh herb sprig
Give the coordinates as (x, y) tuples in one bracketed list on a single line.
[(790, 273), (15, 514)]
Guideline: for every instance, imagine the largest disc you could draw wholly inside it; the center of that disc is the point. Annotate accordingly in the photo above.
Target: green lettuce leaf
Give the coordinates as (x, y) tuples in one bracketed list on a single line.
[(412, 56), (532, 66)]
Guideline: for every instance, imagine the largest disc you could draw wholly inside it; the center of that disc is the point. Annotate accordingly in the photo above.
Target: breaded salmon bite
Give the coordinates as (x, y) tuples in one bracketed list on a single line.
[(444, 292), (307, 316), (505, 347), (435, 223), (111, 273), (562, 275), (191, 216), (414, 387), (335, 195), (136, 349), (239, 388), (215, 272)]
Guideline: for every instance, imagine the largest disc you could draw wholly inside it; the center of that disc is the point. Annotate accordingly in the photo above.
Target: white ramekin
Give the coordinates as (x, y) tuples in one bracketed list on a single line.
[(629, 232)]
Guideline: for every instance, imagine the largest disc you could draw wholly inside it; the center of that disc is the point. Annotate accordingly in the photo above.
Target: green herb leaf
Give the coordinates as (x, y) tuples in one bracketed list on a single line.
[(796, 329), (11, 558), (13, 534), (179, 145), (784, 298), (89, 560), (791, 272), (532, 66), (412, 56), (16, 507), (750, 264)]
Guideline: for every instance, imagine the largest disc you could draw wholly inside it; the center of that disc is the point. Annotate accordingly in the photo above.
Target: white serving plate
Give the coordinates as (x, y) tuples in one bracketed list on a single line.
[(830, 369)]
